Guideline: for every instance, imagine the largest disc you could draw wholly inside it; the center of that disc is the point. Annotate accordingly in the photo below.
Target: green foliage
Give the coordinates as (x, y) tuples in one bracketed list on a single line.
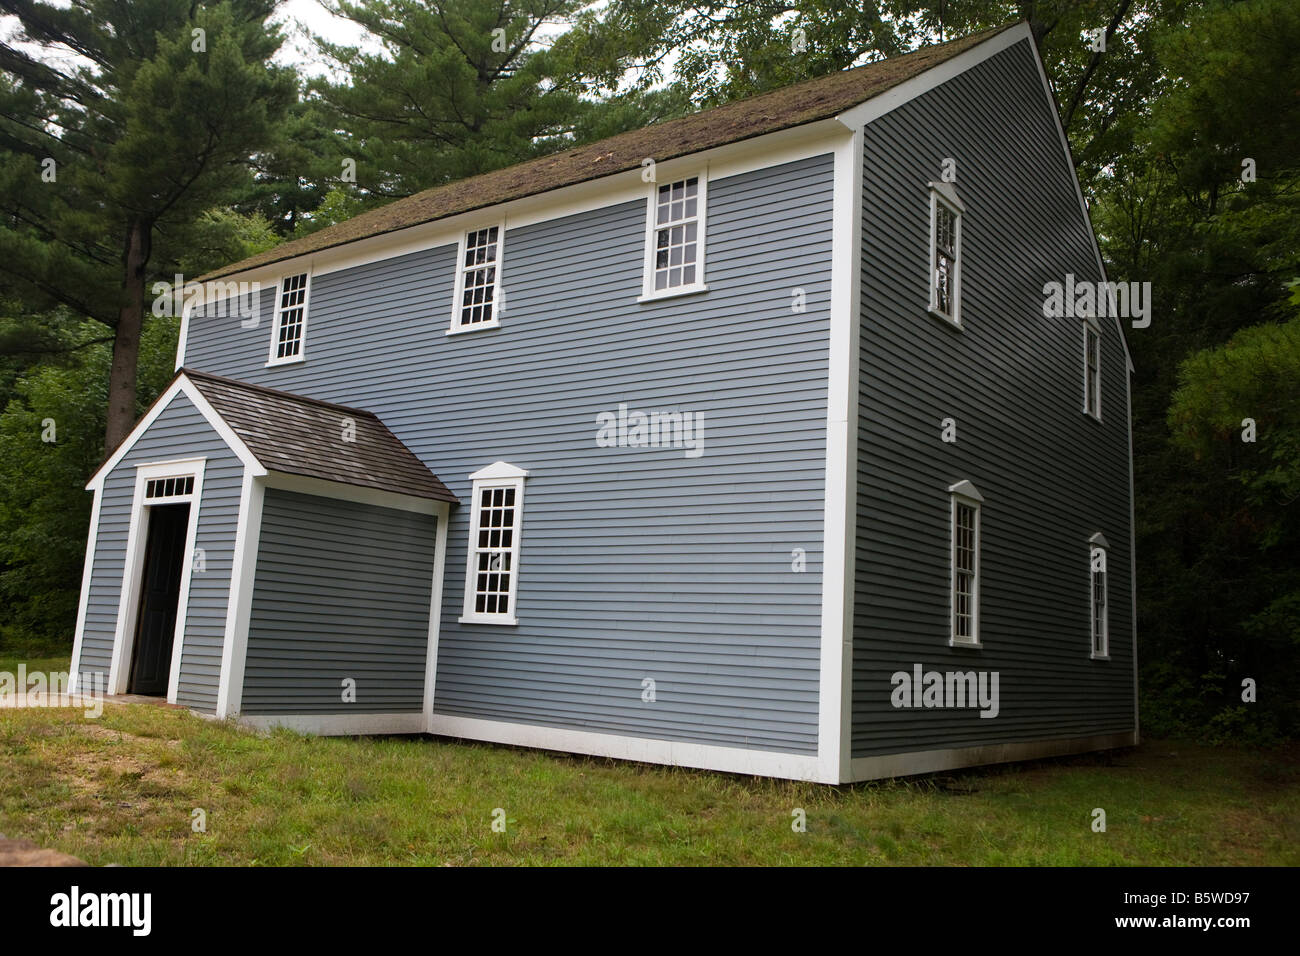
[(44, 508), (460, 87), (1255, 376)]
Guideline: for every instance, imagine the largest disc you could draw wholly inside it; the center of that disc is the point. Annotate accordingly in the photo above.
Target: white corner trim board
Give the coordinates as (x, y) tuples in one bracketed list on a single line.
[(840, 514), (239, 601), (435, 607), (761, 763)]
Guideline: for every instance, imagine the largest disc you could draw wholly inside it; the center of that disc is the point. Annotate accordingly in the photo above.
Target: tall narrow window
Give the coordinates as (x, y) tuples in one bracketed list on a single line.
[(675, 239), (478, 281), (965, 545), (290, 320), (945, 252), (1091, 370), (496, 522), (1099, 613)]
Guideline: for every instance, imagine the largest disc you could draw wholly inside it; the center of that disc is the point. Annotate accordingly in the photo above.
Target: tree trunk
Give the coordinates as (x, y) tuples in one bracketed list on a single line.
[(126, 341)]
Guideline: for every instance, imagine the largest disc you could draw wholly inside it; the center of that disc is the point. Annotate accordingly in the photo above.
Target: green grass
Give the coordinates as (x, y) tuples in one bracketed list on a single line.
[(47, 665), (121, 789)]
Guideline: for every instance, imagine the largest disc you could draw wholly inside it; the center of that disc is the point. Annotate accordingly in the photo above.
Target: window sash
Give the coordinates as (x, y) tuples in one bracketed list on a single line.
[(290, 318), (1100, 609), (175, 486), (945, 258), (675, 231), (478, 279), (492, 574), (965, 572), (1092, 371)]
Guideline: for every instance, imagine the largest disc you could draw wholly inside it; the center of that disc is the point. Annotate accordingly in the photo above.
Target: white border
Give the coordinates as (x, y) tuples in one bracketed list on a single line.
[(648, 291), (966, 493), (322, 488), (435, 609), (1090, 325), (1095, 546), (128, 604), (760, 152), (839, 521), (181, 385), (337, 725), (459, 291), (239, 597), (948, 197), (952, 758), (891, 99), (499, 474), (761, 763), (277, 316)]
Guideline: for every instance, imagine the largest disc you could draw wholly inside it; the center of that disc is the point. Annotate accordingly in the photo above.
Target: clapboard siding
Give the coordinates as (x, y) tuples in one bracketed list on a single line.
[(1013, 381), (179, 432), (636, 562), (342, 590)]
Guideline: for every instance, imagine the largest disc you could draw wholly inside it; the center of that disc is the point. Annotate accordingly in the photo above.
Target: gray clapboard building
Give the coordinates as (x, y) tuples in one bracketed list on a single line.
[(744, 441)]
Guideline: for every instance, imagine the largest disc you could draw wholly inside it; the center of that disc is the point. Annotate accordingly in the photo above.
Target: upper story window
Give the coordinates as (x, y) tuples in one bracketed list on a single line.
[(1100, 616), (290, 327), (675, 238), (496, 522), (966, 501), (945, 252), (477, 300), (1091, 369)]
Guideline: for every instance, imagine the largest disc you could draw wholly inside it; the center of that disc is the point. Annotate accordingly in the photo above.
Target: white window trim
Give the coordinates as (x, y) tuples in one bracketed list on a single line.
[(648, 292), (1090, 325), (271, 358), (497, 475), (495, 323), (133, 567), (941, 192), (1097, 543), (965, 493)]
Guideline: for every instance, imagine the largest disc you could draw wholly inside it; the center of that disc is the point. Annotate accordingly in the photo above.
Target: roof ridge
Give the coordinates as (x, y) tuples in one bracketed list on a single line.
[(665, 140)]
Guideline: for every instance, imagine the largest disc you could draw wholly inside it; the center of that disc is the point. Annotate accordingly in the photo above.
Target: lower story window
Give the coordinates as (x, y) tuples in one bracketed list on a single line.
[(492, 575), (1100, 624), (965, 552)]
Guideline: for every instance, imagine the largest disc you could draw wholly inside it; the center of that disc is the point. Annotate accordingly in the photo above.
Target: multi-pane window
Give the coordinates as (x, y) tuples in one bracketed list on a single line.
[(1091, 370), (492, 575), (176, 487), (1100, 623), (478, 280), (677, 236), (493, 551), (945, 253), (965, 563), (290, 319)]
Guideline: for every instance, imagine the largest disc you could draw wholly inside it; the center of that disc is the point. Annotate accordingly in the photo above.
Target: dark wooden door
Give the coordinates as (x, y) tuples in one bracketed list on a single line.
[(160, 586)]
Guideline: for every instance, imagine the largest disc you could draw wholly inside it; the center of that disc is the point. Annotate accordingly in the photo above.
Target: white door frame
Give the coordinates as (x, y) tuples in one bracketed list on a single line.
[(133, 568)]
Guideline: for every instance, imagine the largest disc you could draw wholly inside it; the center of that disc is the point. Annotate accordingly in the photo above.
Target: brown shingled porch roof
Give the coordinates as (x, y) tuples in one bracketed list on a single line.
[(295, 435)]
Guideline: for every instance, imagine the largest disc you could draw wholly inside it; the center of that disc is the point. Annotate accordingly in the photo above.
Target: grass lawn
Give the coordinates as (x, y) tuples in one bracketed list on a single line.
[(122, 789)]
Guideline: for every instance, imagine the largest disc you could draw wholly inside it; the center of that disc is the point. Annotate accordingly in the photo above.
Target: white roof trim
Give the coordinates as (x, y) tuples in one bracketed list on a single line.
[(182, 385), (941, 73), (496, 470), (965, 489)]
